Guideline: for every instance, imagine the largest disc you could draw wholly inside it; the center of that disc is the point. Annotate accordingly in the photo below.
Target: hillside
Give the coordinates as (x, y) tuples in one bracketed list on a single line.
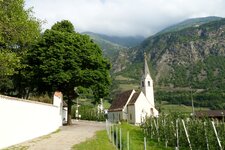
[(193, 22), (115, 48), (184, 61), (127, 41)]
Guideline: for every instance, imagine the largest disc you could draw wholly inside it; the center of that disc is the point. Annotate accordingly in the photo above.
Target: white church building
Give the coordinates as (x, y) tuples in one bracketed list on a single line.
[(134, 106)]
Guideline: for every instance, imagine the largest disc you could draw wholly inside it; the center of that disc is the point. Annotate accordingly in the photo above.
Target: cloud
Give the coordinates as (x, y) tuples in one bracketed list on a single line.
[(124, 17)]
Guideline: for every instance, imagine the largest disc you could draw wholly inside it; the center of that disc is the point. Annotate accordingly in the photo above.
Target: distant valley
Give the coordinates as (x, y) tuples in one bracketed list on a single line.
[(186, 58)]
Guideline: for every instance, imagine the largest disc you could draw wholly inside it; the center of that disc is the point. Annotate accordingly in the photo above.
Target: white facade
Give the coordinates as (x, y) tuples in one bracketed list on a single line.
[(23, 120)]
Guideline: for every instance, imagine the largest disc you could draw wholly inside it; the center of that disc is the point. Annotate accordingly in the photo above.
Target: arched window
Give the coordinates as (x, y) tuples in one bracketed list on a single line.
[(142, 83), (149, 83)]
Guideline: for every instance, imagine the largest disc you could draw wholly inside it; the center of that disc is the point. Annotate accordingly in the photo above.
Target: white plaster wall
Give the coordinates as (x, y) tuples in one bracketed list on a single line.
[(142, 106), (116, 116), (21, 120)]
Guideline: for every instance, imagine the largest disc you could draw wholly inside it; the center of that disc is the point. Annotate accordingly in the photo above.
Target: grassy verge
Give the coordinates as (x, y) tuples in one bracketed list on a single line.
[(136, 139), (99, 142)]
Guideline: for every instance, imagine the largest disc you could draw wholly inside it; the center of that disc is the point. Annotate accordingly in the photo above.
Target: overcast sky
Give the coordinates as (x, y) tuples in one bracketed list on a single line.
[(123, 17)]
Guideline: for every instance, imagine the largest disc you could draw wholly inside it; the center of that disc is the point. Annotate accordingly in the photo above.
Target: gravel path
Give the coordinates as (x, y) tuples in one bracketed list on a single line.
[(65, 138)]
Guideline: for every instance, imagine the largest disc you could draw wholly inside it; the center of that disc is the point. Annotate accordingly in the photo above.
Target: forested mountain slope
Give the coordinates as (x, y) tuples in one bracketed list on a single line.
[(192, 59)]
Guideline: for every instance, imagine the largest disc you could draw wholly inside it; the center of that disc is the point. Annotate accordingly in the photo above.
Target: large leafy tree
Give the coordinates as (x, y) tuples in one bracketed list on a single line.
[(64, 59), (18, 30)]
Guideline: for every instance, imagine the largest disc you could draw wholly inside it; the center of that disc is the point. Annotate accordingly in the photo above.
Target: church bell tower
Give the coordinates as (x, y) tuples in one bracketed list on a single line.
[(147, 83)]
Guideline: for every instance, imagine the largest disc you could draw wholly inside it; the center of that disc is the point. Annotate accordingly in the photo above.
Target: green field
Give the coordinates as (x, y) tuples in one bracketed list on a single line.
[(102, 142), (99, 142), (171, 108)]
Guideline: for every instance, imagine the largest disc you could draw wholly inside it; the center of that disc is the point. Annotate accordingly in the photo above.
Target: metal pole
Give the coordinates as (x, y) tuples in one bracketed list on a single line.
[(187, 135), (218, 140), (177, 134), (120, 139), (145, 143), (128, 144)]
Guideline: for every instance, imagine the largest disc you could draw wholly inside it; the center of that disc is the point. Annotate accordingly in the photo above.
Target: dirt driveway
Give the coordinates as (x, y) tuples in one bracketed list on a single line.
[(65, 138)]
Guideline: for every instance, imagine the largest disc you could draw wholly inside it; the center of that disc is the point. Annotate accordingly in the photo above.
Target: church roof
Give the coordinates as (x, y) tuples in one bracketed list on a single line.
[(134, 98), (121, 101), (210, 113)]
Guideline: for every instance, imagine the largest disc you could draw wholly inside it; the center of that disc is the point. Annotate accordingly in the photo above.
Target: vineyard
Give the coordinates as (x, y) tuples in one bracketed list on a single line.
[(169, 132), (186, 133)]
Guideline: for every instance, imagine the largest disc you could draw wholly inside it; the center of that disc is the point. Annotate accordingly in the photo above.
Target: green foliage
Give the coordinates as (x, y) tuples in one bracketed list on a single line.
[(165, 129), (63, 26), (89, 112), (18, 28), (64, 59), (18, 31), (211, 99), (136, 138)]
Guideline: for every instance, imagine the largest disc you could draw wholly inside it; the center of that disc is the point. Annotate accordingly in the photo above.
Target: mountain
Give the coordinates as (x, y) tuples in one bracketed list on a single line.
[(115, 48), (193, 22), (127, 41), (184, 61)]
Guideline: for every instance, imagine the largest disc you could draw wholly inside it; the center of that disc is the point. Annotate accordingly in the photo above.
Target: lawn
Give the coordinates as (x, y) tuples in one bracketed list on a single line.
[(99, 142), (136, 139), (171, 108), (136, 142)]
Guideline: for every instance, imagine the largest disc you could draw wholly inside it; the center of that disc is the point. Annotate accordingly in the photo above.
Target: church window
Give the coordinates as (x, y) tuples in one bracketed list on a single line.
[(152, 112), (142, 83), (149, 83)]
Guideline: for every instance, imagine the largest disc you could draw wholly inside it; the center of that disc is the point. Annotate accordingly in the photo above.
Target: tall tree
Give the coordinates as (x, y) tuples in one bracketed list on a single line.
[(18, 30), (64, 59)]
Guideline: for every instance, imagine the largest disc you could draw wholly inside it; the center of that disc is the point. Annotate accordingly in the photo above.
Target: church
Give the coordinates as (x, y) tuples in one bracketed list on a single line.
[(134, 106)]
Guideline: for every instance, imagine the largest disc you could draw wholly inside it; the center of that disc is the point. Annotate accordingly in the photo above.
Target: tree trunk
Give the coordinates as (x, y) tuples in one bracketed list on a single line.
[(69, 121)]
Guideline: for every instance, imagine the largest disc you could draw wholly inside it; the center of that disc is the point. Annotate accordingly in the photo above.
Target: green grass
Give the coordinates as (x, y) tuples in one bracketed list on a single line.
[(129, 86), (99, 142), (170, 108), (136, 136)]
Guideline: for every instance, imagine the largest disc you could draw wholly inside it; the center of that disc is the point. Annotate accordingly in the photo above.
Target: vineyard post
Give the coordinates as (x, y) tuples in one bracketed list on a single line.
[(113, 134), (117, 137), (128, 141), (218, 140), (120, 139), (206, 138), (177, 136), (145, 143), (106, 126), (110, 132), (187, 135)]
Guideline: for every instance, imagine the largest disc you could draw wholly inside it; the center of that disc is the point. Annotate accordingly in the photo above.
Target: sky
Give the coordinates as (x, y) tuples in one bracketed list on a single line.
[(123, 17)]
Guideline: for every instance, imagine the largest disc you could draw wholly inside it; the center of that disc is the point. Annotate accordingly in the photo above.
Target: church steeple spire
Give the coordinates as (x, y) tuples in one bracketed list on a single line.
[(146, 69), (147, 83)]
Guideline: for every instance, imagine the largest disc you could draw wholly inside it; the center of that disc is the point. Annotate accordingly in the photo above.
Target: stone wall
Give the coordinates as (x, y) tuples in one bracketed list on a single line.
[(22, 120)]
